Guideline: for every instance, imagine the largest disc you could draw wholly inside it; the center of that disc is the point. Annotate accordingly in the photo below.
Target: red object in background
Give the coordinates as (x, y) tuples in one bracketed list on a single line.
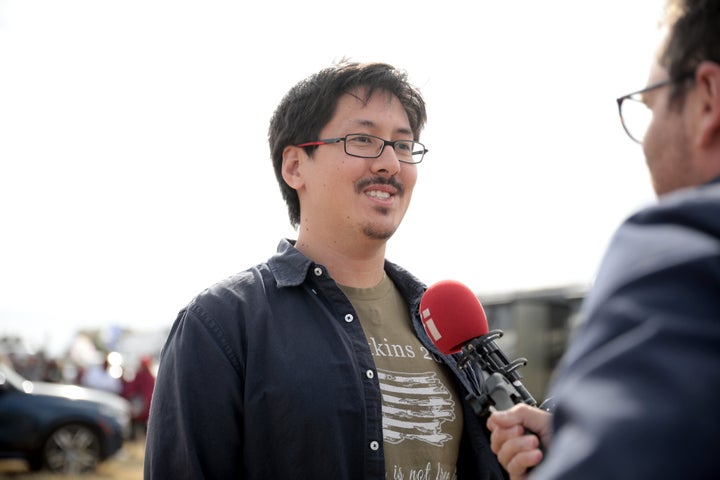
[(139, 391)]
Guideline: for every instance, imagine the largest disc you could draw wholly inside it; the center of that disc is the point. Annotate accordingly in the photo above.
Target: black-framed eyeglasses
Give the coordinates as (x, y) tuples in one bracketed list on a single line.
[(364, 145), (635, 115)]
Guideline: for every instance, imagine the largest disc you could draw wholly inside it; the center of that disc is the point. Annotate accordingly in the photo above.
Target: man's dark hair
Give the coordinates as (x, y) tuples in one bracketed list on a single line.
[(694, 37), (310, 105)]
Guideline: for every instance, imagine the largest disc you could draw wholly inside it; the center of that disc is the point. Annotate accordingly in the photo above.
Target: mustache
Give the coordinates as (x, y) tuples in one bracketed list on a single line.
[(391, 181)]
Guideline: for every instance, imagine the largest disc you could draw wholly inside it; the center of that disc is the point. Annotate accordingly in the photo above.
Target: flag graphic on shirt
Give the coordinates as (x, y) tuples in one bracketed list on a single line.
[(414, 406)]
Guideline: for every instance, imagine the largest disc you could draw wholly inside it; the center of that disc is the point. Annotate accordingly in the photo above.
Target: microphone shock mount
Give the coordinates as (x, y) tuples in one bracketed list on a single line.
[(501, 387)]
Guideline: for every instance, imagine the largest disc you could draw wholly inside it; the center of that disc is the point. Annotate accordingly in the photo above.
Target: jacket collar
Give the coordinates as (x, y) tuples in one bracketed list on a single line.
[(290, 268)]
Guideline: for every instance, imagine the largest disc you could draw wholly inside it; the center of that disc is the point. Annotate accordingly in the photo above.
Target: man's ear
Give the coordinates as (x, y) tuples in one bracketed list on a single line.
[(707, 78), (292, 158)]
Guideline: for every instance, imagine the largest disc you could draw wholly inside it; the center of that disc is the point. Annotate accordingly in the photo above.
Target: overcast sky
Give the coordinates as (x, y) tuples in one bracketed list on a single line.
[(134, 167)]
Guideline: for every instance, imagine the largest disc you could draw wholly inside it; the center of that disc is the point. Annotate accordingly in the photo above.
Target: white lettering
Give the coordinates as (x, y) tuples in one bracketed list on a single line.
[(424, 473)]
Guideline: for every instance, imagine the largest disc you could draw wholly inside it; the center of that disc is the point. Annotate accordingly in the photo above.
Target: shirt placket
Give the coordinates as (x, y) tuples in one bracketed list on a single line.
[(373, 455)]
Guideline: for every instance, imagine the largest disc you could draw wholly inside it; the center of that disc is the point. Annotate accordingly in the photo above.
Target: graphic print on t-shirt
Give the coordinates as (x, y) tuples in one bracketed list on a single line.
[(422, 417), (415, 405)]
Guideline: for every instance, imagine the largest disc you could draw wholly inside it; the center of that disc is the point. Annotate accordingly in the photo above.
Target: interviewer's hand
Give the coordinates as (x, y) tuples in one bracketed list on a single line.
[(516, 449)]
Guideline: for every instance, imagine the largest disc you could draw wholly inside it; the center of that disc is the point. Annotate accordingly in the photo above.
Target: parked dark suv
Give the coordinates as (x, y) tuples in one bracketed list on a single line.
[(64, 428)]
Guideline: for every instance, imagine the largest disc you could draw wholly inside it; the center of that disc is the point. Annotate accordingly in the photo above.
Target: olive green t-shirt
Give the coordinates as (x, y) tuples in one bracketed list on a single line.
[(422, 417)]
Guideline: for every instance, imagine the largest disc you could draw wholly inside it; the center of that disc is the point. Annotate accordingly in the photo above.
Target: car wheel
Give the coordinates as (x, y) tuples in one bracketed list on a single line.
[(72, 448)]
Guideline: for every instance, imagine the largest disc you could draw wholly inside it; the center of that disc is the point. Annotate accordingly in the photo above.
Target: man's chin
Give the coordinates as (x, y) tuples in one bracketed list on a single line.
[(376, 232), (383, 226)]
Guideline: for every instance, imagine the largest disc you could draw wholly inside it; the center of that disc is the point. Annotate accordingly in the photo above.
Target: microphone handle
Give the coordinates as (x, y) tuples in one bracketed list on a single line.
[(504, 395), (501, 386)]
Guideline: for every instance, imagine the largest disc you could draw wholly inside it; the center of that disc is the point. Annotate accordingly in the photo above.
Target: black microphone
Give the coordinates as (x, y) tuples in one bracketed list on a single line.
[(455, 322)]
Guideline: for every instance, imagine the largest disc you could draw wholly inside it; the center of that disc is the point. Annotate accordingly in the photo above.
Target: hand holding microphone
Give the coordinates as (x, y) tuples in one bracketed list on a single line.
[(517, 451), (455, 321)]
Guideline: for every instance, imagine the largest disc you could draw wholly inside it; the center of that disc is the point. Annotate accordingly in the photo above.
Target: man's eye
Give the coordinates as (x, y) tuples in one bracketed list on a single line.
[(361, 139)]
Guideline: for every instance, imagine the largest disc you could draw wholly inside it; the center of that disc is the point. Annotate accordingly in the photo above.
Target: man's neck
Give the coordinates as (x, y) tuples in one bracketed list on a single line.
[(352, 266)]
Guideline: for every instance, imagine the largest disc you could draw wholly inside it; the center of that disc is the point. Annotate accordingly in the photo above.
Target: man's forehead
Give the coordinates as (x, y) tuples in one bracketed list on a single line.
[(360, 94)]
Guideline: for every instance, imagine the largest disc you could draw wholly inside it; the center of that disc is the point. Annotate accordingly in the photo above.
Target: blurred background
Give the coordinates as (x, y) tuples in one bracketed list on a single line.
[(135, 172)]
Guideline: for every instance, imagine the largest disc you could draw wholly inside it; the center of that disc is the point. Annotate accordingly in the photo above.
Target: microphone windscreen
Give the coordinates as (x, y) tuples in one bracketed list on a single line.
[(452, 315)]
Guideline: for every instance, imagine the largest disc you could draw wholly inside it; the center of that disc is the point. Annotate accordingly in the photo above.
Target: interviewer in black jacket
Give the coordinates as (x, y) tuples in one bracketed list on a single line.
[(637, 389)]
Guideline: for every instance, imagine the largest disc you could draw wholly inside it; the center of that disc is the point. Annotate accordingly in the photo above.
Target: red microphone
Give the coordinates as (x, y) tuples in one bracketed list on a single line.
[(452, 315), (455, 321)]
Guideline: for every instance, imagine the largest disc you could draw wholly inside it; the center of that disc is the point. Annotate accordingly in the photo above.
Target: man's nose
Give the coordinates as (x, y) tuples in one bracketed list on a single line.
[(387, 162)]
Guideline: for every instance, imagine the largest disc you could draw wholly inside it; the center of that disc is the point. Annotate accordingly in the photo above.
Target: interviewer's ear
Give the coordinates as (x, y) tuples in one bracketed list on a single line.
[(707, 79), (292, 157)]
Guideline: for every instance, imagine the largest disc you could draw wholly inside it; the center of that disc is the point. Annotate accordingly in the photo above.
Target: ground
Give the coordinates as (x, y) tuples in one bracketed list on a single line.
[(127, 464)]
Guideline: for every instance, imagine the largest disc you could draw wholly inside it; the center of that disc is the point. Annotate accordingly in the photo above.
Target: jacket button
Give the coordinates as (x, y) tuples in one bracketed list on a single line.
[(370, 374), (317, 271), (374, 446), (349, 318)]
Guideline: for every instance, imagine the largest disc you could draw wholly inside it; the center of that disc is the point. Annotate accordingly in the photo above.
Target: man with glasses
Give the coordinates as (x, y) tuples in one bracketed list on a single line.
[(636, 392), (315, 364)]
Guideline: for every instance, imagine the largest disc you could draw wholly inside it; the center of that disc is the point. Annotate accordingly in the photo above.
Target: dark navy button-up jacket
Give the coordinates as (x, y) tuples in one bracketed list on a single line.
[(263, 377), (637, 389)]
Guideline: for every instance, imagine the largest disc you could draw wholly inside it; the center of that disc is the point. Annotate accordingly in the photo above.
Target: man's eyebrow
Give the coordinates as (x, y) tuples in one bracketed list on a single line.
[(370, 124)]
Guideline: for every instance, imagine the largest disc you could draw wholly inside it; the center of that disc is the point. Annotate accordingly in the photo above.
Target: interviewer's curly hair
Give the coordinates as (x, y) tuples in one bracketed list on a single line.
[(693, 37)]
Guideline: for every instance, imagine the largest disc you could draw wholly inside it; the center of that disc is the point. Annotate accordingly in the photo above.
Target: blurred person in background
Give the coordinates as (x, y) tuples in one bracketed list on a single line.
[(315, 364), (98, 376), (636, 390), (138, 392), (53, 371)]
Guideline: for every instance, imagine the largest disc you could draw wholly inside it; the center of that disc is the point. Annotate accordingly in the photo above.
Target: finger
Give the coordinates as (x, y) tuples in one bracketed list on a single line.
[(532, 418), (500, 436), (512, 416), (513, 453), (519, 465)]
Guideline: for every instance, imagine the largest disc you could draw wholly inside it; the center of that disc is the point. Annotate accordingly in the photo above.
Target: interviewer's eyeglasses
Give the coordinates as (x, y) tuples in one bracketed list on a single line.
[(635, 115), (369, 146)]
